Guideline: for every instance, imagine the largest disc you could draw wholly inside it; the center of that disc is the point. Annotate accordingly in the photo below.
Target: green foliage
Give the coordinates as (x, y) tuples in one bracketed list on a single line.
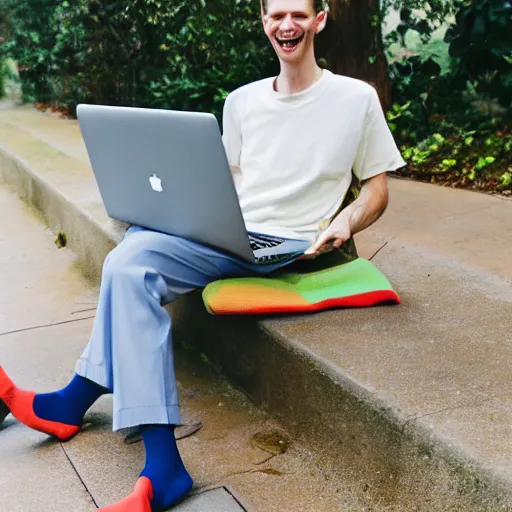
[(459, 89), (474, 88), (184, 55), (414, 82), (29, 41), (435, 49), (481, 46), (471, 159), (214, 48), (4, 76), (422, 16)]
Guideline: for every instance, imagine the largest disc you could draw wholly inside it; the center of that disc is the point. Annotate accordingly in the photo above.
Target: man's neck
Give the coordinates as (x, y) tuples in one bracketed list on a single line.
[(297, 78)]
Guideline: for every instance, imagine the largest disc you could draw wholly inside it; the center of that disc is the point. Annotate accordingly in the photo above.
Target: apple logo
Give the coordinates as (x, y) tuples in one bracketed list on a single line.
[(156, 183)]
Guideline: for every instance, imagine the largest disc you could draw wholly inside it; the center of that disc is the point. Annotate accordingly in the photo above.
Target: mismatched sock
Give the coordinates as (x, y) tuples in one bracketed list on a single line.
[(164, 467), (69, 404)]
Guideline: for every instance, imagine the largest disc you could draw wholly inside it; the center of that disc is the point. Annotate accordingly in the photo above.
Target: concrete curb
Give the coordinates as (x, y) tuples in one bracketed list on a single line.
[(399, 463), (90, 241)]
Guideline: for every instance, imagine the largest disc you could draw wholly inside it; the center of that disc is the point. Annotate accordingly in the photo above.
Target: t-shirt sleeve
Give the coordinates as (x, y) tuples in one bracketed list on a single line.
[(231, 131), (377, 152)]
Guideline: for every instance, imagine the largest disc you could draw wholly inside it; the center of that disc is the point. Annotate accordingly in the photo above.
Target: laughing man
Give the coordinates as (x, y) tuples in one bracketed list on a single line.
[(292, 143)]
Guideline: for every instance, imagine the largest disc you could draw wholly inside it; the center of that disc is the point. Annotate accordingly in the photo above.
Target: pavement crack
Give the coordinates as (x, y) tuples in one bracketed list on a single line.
[(379, 249), (44, 326), (83, 311), (410, 419), (266, 460), (78, 475)]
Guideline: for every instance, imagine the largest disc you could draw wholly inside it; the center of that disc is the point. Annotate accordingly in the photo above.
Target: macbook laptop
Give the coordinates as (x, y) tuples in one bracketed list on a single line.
[(168, 171)]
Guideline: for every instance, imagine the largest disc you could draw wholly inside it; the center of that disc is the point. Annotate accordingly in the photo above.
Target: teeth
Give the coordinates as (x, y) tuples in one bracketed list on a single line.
[(289, 43)]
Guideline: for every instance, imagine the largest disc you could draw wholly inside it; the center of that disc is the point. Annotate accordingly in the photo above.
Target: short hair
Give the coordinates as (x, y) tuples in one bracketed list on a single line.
[(319, 5)]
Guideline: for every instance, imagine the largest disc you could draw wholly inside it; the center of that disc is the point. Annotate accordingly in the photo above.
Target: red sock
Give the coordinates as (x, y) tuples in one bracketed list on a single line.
[(21, 404), (138, 501)]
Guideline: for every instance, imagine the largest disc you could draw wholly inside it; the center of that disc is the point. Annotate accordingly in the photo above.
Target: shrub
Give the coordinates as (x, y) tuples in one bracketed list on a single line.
[(182, 55), (481, 46), (29, 41)]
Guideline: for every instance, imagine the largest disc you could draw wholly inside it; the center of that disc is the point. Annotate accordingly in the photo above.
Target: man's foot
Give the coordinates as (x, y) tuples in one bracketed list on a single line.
[(138, 501), (164, 480), (56, 414), (164, 468)]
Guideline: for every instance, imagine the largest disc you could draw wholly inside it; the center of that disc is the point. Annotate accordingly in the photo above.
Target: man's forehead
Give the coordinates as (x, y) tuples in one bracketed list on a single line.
[(290, 6)]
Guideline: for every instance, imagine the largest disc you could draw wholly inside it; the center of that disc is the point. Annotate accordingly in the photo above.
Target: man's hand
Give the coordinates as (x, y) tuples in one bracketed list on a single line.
[(333, 237), (360, 214)]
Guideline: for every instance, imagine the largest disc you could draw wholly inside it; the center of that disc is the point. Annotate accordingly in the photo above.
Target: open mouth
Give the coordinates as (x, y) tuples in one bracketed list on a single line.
[(289, 44)]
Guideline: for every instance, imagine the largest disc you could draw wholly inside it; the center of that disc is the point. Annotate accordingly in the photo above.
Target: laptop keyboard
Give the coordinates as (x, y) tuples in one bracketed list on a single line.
[(260, 241), (263, 241)]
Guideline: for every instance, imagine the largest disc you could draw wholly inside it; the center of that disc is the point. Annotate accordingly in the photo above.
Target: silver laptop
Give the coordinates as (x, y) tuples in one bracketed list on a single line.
[(168, 171)]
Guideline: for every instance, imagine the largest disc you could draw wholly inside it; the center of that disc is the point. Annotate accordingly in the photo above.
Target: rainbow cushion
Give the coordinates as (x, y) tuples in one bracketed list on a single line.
[(355, 284)]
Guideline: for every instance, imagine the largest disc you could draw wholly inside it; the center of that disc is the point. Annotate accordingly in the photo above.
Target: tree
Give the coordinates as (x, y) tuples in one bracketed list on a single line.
[(352, 44)]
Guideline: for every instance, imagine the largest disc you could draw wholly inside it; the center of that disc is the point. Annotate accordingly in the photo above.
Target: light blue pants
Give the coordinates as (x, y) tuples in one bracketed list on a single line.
[(130, 350)]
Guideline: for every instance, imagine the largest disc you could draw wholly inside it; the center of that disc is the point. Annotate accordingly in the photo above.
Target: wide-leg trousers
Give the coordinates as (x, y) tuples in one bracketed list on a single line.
[(130, 349)]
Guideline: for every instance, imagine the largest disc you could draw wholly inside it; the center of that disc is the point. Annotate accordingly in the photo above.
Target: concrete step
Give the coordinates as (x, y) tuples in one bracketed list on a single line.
[(412, 403)]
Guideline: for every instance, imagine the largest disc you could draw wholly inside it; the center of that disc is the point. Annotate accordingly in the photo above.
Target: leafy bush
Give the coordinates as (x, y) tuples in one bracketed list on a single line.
[(4, 75), (441, 105), (213, 48), (184, 55), (468, 159), (29, 41), (481, 46)]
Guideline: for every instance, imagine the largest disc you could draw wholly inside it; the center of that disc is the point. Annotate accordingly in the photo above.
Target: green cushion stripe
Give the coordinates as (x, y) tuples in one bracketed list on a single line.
[(354, 278)]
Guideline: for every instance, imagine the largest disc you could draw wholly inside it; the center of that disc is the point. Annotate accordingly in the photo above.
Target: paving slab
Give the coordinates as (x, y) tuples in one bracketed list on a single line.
[(66, 298), (36, 475), (471, 229), (219, 500)]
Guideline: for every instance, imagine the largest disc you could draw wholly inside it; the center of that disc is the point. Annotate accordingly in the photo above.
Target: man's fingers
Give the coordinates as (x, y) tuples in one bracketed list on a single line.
[(321, 241)]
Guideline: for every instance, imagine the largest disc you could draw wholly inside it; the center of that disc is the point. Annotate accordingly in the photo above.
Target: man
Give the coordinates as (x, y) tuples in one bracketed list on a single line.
[(292, 143)]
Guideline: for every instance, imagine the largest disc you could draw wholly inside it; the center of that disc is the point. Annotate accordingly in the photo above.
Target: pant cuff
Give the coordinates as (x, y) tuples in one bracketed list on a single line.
[(93, 372), (146, 415)]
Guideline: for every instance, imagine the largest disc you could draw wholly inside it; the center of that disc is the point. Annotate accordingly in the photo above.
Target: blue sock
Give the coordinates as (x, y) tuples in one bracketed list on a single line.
[(70, 404), (164, 467)]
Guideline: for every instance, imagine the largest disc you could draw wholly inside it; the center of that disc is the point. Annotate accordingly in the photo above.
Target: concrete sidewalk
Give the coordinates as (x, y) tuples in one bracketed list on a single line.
[(412, 403)]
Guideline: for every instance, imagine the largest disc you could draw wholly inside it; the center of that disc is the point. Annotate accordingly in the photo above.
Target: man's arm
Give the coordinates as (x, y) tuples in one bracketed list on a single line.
[(362, 213)]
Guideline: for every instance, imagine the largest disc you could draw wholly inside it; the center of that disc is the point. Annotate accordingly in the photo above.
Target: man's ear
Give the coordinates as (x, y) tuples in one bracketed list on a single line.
[(321, 20)]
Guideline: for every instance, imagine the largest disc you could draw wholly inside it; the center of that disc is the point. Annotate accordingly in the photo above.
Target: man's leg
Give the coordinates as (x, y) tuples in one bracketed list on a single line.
[(130, 351)]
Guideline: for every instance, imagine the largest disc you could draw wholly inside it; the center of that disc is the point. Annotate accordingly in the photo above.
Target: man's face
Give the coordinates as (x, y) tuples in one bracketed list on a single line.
[(291, 27)]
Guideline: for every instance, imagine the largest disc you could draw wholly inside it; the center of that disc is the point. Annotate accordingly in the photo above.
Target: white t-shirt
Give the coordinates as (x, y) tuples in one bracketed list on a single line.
[(296, 152)]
